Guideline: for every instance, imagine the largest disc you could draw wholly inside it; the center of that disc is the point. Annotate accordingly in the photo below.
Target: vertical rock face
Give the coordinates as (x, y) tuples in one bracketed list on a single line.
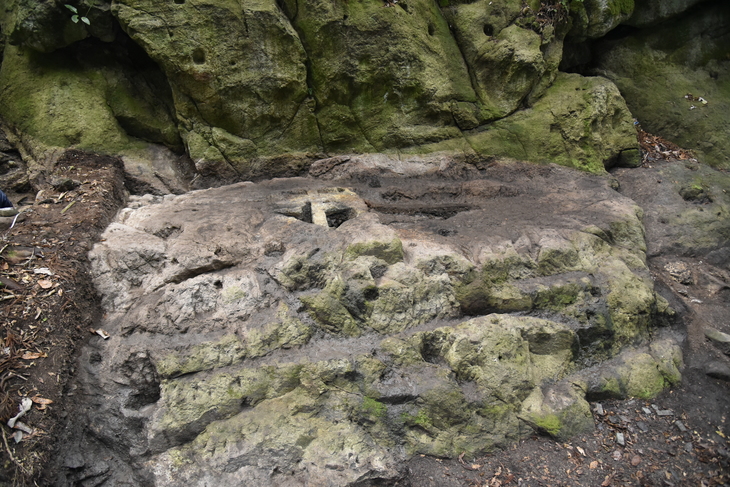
[(237, 72), (653, 11), (264, 88), (675, 77), (322, 331)]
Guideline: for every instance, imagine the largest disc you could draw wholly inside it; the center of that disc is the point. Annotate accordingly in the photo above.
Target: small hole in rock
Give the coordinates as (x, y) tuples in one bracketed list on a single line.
[(488, 30), (199, 56), (335, 218), (179, 2), (371, 294), (307, 212), (218, 284), (431, 29)]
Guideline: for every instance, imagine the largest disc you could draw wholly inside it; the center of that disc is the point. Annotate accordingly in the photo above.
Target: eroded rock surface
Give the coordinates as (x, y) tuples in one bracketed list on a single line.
[(321, 331)]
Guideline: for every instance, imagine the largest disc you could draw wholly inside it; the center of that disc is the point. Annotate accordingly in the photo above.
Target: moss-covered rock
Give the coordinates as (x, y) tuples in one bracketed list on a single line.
[(642, 372), (560, 410), (45, 26), (287, 432), (374, 98), (55, 101), (579, 122), (389, 252), (656, 70), (224, 77), (594, 18)]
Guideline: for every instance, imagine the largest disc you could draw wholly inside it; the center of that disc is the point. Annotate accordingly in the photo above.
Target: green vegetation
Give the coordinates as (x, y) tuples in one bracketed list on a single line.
[(75, 17), (374, 407)]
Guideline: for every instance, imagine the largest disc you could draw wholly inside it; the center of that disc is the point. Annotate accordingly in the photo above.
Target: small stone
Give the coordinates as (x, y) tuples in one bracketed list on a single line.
[(599, 409), (688, 447), (719, 339), (620, 439), (625, 419), (74, 460), (616, 455), (680, 426), (646, 410), (665, 412), (65, 184), (642, 426), (718, 370), (635, 460)]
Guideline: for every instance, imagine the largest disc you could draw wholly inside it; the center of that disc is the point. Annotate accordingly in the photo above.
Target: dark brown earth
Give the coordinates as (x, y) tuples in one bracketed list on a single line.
[(679, 438)]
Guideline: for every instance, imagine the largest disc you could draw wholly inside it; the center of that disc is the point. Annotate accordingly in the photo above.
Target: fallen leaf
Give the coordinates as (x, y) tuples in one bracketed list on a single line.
[(580, 450), (635, 460), (606, 481), (41, 400), (45, 283), (102, 333), (33, 355), (593, 465)]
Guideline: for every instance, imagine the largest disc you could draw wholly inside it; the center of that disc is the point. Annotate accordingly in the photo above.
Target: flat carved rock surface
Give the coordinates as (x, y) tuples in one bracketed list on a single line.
[(320, 332)]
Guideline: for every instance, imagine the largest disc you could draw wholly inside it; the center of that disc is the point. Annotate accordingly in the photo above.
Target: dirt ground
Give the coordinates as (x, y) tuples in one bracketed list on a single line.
[(49, 309), (48, 302)]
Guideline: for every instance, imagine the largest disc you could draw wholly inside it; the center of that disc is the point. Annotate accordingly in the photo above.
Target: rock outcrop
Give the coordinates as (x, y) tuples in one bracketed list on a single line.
[(675, 78), (323, 330), (266, 88)]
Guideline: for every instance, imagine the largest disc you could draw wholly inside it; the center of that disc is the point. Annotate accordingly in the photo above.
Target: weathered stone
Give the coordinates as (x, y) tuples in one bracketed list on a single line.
[(649, 12), (314, 345), (47, 26), (663, 71), (560, 411), (719, 339), (595, 18), (674, 225), (579, 122)]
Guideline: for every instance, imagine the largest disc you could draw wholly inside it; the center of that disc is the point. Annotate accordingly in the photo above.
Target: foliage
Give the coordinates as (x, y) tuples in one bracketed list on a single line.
[(75, 17)]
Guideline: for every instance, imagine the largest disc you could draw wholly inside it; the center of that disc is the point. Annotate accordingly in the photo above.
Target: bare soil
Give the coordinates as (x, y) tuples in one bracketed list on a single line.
[(679, 438), (46, 318)]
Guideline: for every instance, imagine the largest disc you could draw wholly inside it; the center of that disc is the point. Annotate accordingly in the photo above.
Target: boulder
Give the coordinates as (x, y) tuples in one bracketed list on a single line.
[(306, 331), (580, 122), (592, 19)]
